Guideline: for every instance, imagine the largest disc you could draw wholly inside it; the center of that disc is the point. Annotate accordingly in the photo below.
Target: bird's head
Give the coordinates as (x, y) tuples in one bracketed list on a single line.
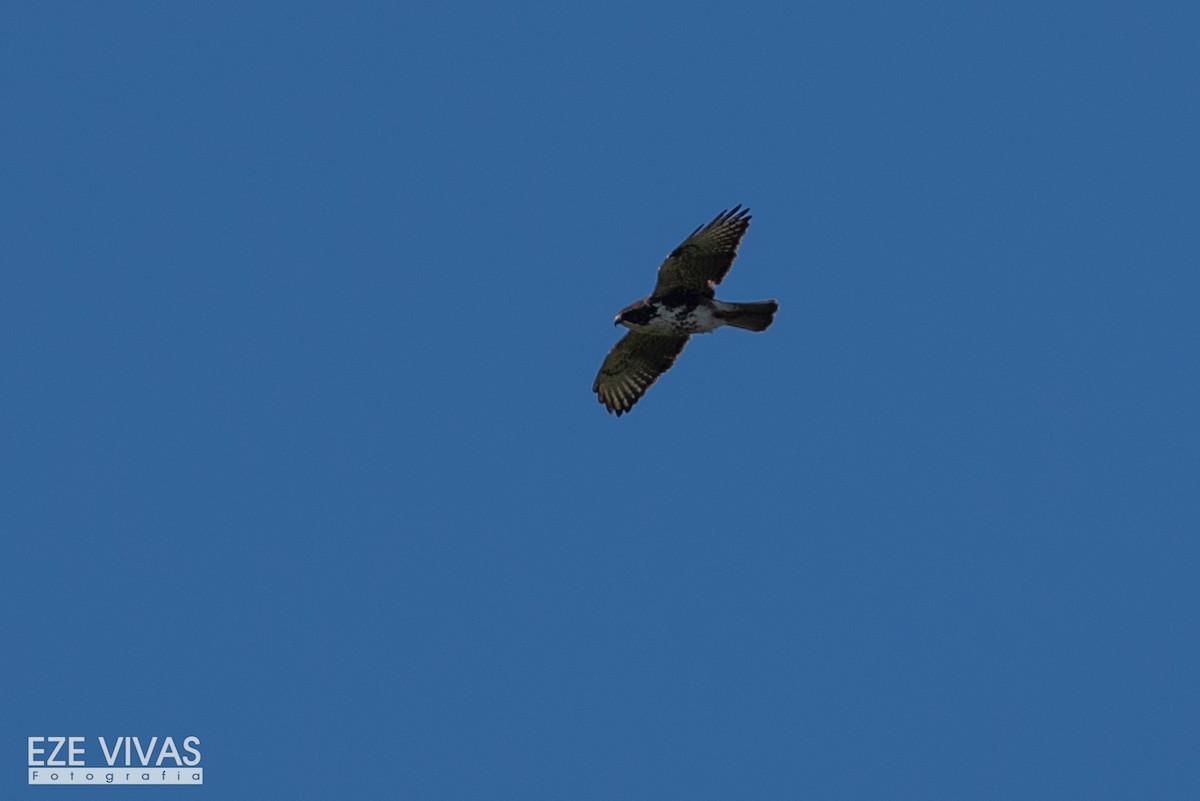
[(635, 315)]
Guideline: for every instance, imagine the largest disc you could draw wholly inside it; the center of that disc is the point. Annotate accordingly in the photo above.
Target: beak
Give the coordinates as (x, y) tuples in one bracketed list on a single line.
[(617, 320)]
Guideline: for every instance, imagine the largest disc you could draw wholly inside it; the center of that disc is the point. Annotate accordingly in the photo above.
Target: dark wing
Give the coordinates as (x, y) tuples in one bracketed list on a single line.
[(632, 366), (706, 256)]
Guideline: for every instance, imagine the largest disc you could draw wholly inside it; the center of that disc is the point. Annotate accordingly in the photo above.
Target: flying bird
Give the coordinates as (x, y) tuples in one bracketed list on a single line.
[(683, 303)]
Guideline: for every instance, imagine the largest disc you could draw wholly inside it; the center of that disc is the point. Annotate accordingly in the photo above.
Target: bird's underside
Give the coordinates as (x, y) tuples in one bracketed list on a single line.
[(683, 303)]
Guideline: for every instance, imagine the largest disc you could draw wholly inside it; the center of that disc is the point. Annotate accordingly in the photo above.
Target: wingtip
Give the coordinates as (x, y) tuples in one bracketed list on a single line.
[(738, 212), (607, 403)]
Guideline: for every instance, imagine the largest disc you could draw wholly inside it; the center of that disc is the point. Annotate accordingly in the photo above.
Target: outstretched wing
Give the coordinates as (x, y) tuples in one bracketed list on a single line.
[(704, 257), (632, 366)]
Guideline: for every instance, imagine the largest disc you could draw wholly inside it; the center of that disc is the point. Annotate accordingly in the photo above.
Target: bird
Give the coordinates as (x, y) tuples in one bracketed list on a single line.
[(683, 303)]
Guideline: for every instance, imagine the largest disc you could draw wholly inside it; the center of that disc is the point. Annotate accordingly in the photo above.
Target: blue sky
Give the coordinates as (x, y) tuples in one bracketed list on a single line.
[(301, 306)]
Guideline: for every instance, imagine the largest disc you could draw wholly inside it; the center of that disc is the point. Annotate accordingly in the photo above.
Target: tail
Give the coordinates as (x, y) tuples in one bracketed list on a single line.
[(751, 316)]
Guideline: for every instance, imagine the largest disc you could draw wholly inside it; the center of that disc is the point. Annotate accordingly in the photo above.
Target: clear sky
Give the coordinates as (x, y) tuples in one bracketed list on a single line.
[(301, 306)]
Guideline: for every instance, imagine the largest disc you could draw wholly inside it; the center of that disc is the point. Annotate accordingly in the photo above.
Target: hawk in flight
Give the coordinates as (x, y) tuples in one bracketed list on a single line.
[(682, 303)]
